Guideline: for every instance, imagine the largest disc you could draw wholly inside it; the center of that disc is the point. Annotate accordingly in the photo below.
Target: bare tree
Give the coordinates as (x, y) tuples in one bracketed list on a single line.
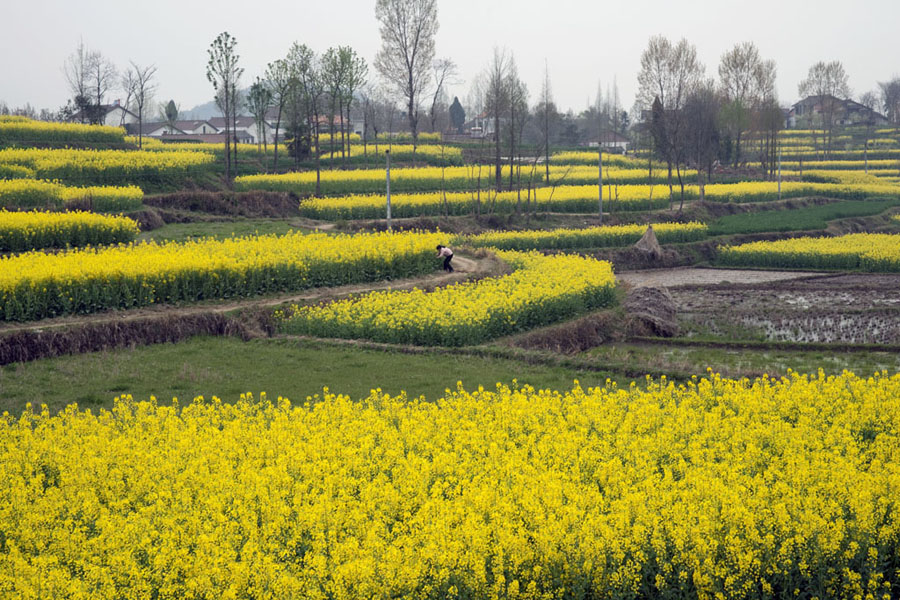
[(259, 101), (445, 73), (278, 79), (223, 73), (890, 99), (128, 83), (828, 84), (333, 70), (668, 74), (355, 77), (306, 70), (407, 31), (701, 114), (870, 101), (767, 118), (102, 75), (496, 101), (547, 113), (517, 94), (144, 85), (742, 81), (77, 71)]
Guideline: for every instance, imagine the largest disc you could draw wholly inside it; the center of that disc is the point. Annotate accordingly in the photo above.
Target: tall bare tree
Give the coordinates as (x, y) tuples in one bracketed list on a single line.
[(127, 83), (407, 31), (547, 115), (278, 78), (870, 101), (701, 129), (767, 117), (356, 76), (77, 72), (333, 74), (445, 73), (829, 84), (742, 81), (517, 104), (496, 102), (259, 101), (306, 70), (224, 74), (102, 76), (890, 99), (669, 72), (144, 80)]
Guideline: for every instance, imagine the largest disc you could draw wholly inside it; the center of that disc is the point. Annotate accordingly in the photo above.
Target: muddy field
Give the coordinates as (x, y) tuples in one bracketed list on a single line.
[(695, 276), (841, 309)]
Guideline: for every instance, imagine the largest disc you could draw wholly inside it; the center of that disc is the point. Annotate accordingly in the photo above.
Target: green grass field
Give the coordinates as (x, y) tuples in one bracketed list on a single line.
[(227, 367), (799, 219)]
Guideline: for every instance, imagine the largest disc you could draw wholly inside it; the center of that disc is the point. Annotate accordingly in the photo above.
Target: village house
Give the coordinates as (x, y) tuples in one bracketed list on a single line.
[(113, 115), (809, 112)]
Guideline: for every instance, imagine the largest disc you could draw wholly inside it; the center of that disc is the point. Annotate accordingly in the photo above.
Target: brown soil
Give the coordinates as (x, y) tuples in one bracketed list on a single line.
[(834, 309)]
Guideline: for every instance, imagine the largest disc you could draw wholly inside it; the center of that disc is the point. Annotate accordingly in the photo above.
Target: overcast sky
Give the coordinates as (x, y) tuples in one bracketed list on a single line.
[(583, 42)]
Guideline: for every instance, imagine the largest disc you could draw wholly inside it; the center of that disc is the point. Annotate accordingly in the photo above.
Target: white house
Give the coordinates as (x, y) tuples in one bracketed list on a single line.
[(612, 141), (113, 115), (245, 129)]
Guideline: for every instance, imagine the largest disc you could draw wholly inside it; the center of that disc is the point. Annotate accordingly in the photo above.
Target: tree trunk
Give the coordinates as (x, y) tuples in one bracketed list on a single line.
[(498, 176), (671, 190), (277, 128), (318, 153), (341, 110)]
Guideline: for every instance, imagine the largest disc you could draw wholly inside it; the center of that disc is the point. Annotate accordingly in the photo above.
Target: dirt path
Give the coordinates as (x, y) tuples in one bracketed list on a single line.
[(696, 276), (465, 268)]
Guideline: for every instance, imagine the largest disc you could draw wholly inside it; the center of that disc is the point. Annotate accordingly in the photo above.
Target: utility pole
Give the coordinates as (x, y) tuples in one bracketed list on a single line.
[(387, 154), (600, 179)]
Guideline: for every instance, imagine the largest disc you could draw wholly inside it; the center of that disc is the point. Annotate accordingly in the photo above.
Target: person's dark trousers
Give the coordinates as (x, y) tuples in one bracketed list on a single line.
[(447, 266)]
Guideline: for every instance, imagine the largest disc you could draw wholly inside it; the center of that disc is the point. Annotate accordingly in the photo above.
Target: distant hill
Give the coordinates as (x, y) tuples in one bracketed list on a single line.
[(201, 112)]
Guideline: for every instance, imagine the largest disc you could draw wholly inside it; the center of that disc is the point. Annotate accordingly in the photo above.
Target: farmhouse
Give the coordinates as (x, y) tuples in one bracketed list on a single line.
[(245, 129), (810, 110), (162, 128), (113, 115), (611, 141)]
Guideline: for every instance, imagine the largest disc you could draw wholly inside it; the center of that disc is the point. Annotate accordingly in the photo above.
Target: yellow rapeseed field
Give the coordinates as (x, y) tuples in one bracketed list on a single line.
[(32, 193), (589, 237), (542, 290), (716, 490), (93, 167), (26, 131), (367, 181), (21, 231), (877, 252), (563, 198), (35, 285)]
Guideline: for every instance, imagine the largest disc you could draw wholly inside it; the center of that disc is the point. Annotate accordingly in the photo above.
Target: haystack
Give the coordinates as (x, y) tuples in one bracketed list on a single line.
[(651, 312), (649, 244)]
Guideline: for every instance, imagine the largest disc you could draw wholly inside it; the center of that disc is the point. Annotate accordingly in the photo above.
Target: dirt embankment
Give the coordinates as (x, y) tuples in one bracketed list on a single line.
[(193, 206)]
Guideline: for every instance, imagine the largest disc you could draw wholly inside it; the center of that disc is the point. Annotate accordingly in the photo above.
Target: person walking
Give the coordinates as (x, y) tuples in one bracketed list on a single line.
[(447, 254)]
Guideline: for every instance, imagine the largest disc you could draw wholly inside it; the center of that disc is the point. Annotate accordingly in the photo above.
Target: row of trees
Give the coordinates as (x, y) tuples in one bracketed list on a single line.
[(91, 76), (691, 121)]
